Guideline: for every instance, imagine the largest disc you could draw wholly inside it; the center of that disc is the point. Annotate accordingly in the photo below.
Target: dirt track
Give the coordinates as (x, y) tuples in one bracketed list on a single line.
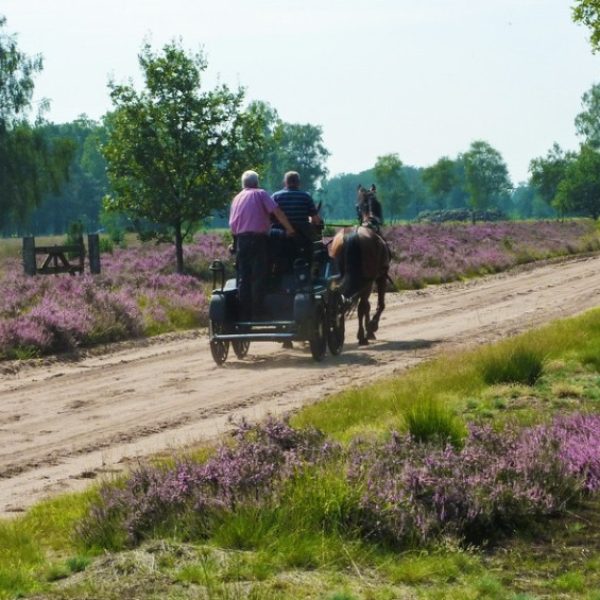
[(63, 423)]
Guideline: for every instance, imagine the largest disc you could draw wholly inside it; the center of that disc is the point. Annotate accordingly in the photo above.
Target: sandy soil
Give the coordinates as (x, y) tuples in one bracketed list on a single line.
[(65, 422)]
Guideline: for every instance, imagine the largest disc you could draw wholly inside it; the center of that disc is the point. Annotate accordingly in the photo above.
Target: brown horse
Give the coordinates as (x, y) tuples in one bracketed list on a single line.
[(363, 258)]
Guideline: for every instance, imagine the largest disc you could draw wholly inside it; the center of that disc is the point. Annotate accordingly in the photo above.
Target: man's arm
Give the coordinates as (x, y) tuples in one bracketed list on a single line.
[(280, 216), (314, 215)]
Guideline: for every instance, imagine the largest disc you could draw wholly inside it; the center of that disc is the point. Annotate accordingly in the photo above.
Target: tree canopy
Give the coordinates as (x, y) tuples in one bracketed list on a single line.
[(393, 189), (486, 175), (175, 152), (290, 147), (579, 190), (440, 178), (587, 122), (547, 172), (587, 12), (30, 164)]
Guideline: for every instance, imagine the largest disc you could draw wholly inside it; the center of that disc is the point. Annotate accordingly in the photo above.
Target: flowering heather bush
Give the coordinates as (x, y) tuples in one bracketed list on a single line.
[(414, 492), (439, 253), (247, 472), (137, 293), (407, 492)]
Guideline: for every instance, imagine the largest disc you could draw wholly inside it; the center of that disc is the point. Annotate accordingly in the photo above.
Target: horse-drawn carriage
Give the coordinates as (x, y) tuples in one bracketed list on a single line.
[(303, 303)]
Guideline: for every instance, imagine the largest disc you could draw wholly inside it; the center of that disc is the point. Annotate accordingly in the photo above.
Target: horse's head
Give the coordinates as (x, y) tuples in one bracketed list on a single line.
[(367, 205), (364, 195)]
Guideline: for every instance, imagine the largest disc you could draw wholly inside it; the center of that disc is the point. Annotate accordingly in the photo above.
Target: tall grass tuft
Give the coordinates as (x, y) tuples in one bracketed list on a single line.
[(430, 421), (512, 363)]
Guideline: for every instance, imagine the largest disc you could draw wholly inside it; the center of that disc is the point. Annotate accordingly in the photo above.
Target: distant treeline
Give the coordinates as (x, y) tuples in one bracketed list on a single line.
[(80, 197)]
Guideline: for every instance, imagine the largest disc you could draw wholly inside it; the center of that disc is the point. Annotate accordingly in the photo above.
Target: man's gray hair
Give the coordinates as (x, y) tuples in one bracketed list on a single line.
[(250, 179), (291, 179)]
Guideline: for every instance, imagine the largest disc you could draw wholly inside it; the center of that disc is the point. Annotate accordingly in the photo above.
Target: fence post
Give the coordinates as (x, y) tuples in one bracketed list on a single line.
[(94, 253), (29, 262)]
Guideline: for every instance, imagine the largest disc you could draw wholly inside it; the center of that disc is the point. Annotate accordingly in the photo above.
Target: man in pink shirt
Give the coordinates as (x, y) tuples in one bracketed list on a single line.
[(250, 221)]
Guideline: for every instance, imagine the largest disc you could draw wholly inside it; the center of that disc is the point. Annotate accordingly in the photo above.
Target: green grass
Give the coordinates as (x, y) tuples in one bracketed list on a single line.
[(431, 395), (40, 547)]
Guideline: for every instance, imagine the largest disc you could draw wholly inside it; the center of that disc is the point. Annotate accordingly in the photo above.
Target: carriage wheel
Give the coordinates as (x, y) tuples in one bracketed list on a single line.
[(318, 339), (336, 327), (240, 347), (218, 348)]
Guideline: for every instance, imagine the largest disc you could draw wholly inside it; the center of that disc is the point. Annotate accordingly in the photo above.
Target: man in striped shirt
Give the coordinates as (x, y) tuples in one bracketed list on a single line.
[(300, 209), (297, 205)]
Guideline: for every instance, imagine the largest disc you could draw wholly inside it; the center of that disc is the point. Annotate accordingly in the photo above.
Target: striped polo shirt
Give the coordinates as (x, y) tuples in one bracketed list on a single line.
[(296, 204)]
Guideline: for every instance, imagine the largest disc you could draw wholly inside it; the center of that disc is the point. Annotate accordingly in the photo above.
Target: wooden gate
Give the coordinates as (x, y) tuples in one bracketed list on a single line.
[(61, 259)]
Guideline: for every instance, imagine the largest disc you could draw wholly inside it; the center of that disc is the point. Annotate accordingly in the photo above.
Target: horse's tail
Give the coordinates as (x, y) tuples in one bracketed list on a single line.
[(351, 265)]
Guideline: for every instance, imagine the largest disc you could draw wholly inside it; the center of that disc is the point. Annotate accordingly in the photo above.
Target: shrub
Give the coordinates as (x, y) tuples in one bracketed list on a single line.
[(498, 480), (200, 495)]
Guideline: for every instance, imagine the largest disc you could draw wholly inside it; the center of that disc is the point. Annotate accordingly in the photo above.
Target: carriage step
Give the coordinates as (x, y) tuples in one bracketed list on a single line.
[(264, 323), (254, 337)]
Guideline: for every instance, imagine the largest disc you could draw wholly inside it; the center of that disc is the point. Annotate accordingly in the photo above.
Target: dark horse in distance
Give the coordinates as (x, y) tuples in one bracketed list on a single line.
[(364, 259)]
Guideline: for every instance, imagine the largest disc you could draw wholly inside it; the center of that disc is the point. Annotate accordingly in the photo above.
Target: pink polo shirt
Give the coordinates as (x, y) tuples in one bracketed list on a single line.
[(251, 211)]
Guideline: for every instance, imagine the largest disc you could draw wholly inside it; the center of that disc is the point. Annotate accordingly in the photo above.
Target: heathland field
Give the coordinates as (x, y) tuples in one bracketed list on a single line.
[(138, 293)]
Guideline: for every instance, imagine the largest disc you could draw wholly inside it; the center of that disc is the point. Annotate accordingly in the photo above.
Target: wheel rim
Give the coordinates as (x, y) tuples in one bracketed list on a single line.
[(218, 348), (336, 327), (241, 347), (318, 341)]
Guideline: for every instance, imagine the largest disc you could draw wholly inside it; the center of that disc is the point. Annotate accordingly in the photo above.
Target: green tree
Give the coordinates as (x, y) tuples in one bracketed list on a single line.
[(392, 187), (547, 172), (587, 122), (30, 164), (587, 12), (440, 178), (290, 147), (340, 194), (175, 152), (80, 199), (579, 190), (486, 176)]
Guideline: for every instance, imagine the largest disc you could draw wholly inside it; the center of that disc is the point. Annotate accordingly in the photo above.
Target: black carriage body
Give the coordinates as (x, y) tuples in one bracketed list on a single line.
[(299, 305)]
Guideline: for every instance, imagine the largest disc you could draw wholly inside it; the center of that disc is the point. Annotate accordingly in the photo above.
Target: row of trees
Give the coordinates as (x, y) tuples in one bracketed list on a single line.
[(474, 180)]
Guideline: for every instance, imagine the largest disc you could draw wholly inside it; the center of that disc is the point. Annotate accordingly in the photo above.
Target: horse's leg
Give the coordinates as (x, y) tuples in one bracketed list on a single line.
[(363, 316), (373, 324)]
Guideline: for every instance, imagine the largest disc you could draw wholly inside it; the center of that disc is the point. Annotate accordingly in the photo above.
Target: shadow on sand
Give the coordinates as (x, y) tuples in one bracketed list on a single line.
[(299, 356)]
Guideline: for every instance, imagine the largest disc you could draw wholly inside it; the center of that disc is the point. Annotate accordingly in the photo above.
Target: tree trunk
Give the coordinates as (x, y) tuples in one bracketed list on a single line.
[(179, 247)]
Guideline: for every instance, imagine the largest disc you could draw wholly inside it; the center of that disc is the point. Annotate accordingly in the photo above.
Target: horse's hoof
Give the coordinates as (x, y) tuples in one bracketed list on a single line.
[(371, 336), (364, 342)]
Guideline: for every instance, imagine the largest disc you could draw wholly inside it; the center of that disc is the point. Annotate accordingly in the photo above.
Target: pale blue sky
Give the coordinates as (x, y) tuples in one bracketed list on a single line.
[(423, 78)]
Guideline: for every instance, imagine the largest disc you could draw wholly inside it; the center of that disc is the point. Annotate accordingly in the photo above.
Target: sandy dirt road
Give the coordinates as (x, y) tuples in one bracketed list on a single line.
[(62, 423)]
